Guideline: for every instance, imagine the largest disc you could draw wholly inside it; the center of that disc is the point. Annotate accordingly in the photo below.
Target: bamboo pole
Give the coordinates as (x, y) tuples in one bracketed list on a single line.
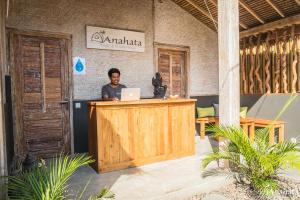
[(298, 58), (295, 60), (260, 85), (267, 64), (243, 57), (273, 67), (283, 56), (251, 65), (277, 70), (263, 62)]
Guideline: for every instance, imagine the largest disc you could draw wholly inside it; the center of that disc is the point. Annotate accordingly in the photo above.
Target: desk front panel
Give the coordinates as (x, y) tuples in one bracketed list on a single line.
[(130, 136)]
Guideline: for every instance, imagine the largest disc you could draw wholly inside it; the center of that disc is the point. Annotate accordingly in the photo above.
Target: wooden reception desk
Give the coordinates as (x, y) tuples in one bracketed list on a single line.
[(127, 134)]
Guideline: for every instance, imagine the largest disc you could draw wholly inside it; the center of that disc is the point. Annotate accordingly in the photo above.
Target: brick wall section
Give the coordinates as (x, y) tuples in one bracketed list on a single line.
[(173, 25), (71, 16)]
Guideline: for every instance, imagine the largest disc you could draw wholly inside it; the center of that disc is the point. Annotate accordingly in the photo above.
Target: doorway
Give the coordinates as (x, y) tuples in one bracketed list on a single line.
[(172, 63), (41, 95)]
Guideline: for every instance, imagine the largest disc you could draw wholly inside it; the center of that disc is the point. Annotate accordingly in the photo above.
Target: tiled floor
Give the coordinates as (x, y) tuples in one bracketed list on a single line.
[(179, 179), (176, 179)]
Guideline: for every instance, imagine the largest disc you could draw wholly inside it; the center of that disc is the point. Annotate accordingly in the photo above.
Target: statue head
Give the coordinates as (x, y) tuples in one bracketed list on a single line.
[(159, 89), (157, 75)]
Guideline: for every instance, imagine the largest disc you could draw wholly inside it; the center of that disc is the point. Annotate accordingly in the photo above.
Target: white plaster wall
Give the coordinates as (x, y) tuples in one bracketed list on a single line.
[(173, 25), (71, 16)]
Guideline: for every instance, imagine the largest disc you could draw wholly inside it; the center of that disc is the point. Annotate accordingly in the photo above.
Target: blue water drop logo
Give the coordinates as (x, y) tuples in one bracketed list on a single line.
[(79, 66)]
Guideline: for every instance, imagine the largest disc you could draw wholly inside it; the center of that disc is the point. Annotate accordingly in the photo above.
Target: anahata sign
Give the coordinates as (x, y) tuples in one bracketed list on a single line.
[(114, 39)]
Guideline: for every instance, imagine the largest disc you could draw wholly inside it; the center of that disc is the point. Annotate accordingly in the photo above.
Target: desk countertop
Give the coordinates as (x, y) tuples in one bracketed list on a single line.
[(142, 101)]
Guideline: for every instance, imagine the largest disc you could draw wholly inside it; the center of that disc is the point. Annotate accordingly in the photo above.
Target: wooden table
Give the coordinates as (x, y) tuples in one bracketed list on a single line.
[(246, 124), (263, 123), (127, 134)]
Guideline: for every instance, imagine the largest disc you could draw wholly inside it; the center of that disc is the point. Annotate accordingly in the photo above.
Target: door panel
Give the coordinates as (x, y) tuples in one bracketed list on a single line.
[(164, 69), (171, 66), (39, 81)]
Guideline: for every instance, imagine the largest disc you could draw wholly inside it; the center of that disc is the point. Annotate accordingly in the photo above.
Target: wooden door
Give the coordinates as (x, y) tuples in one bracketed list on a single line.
[(39, 69), (172, 67)]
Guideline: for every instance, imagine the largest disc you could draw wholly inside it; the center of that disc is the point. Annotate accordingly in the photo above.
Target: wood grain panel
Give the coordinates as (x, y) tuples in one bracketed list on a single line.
[(171, 66), (53, 62), (177, 75), (93, 139), (31, 69), (164, 69), (32, 98), (44, 121), (127, 134), (115, 146), (150, 131), (182, 131), (53, 89), (46, 128), (42, 116)]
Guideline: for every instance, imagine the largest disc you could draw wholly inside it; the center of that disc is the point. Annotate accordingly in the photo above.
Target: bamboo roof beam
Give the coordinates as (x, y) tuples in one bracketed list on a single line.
[(298, 2), (273, 5), (251, 11), (244, 26), (288, 21), (204, 12), (214, 2)]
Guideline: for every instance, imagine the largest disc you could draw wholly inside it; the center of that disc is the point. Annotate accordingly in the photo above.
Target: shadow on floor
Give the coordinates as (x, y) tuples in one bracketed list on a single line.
[(162, 180)]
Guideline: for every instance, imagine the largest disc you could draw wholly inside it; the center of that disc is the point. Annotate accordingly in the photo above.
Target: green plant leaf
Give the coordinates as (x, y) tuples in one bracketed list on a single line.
[(257, 161), (46, 183)]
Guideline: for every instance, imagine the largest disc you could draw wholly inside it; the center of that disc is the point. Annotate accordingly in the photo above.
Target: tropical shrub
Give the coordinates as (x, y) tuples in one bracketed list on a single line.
[(50, 182), (255, 162)]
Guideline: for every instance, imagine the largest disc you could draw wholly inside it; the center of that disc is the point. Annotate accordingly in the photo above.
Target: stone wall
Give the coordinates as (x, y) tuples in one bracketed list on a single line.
[(172, 25)]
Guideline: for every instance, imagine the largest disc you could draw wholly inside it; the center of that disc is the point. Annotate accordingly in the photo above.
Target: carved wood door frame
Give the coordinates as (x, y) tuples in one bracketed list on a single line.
[(20, 146), (170, 47)]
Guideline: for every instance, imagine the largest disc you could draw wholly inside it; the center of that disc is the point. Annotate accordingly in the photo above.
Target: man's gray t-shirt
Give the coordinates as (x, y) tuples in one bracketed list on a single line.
[(112, 92)]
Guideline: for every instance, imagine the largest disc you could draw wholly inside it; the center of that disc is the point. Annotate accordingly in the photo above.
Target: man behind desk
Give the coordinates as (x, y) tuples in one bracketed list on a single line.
[(112, 91)]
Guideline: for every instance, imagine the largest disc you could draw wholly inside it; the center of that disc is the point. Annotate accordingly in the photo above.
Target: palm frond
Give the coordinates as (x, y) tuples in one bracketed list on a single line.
[(291, 160), (46, 183), (266, 187), (257, 160)]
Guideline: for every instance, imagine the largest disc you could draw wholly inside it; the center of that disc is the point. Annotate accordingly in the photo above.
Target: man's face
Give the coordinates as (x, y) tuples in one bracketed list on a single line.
[(115, 79)]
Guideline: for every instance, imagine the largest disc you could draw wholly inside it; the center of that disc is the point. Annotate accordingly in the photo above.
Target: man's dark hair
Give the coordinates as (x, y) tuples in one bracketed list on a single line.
[(113, 70)]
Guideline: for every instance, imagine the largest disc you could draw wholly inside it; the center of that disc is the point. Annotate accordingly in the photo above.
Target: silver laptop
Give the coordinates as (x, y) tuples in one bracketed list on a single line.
[(130, 94)]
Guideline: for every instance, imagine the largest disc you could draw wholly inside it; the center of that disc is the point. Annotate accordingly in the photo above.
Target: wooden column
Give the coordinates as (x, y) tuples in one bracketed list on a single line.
[(229, 75), (3, 162)]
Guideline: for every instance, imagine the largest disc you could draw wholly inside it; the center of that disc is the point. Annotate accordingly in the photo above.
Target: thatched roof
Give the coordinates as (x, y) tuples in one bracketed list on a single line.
[(253, 13)]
